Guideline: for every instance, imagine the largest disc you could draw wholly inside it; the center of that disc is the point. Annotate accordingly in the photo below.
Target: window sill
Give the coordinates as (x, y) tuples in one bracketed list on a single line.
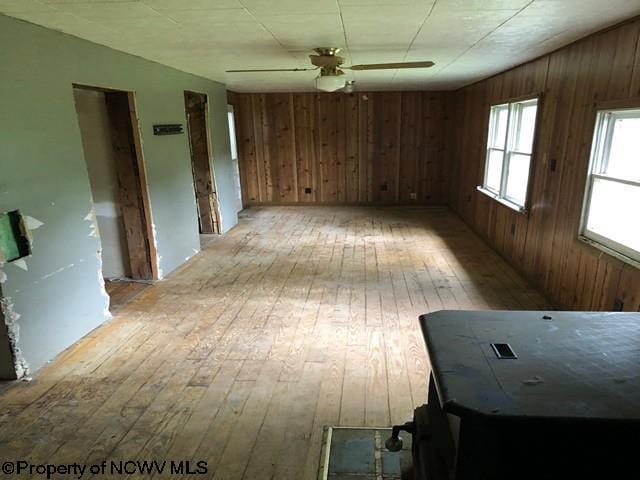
[(503, 201), (609, 251)]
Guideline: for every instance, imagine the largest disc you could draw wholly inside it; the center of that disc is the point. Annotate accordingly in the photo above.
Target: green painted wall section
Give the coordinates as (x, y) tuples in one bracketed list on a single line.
[(9, 249), (56, 297)]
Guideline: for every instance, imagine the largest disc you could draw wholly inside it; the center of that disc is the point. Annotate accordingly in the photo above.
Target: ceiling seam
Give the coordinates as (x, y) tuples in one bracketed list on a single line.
[(413, 40), (264, 27), (166, 17), (344, 34), (483, 37)]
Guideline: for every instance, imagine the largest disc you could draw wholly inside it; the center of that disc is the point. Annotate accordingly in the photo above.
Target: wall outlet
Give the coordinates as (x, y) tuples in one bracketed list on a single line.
[(413, 195), (307, 190)]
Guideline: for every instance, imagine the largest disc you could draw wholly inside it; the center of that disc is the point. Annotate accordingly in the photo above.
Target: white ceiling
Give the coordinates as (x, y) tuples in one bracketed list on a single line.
[(467, 39)]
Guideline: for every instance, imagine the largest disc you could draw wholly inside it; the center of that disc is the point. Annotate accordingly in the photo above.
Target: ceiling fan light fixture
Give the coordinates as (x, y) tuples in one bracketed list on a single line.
[(330, 83), (349, 87)]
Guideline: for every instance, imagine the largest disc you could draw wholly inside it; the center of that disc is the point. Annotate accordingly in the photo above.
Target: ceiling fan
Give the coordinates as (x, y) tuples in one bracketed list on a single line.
[(330, 63)]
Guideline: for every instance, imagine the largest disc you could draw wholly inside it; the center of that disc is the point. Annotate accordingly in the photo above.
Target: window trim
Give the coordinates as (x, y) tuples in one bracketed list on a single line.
[(603, 112), (504, 200)]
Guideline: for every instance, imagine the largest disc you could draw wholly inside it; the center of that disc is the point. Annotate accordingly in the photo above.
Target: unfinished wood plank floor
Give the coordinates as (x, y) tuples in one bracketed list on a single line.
[(122, 292), (300, 317)]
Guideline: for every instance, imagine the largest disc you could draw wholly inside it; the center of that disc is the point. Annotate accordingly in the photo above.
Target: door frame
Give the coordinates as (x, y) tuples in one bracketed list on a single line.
[(140, 174), (215, 210), (231, 109)]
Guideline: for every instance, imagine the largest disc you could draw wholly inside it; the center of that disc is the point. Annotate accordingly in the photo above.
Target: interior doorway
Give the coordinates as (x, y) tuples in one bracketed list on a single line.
[(231, 118), (112, 151), (197, 110)]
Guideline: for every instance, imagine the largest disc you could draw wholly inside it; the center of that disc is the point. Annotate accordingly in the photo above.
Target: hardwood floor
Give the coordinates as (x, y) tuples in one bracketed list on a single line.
[(300, 317), (122, 292)]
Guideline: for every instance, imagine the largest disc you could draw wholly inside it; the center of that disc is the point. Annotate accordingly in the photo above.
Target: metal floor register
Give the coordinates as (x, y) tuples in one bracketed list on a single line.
[(359, 454)]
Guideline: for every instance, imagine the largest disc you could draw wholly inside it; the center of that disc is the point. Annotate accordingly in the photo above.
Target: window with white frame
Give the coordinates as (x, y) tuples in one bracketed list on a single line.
[(610, 215), (509, 150)]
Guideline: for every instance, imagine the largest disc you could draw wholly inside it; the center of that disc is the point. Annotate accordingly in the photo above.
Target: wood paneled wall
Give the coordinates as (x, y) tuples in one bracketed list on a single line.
[(544, 244), (383, 147)]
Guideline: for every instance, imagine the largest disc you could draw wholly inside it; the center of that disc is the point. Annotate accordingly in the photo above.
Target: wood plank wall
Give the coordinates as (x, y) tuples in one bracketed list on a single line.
[(333, 148), (544, 244)]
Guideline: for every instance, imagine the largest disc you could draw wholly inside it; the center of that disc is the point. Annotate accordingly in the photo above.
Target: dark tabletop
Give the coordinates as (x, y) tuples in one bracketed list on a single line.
[(576, 365)]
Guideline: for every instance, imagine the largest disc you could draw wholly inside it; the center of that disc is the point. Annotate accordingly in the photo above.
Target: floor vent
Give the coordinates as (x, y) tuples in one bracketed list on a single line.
[(358, 453)]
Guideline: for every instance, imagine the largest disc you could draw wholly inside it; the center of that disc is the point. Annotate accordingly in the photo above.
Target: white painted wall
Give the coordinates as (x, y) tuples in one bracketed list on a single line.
[(98, 154)]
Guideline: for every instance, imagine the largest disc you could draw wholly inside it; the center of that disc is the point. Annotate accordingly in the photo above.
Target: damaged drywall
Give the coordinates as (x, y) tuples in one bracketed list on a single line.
[(158, 257), (58, 292), (7, 361), (12, 362), (21, 263), (91, 218), (12, 329), (31, 223), (94, 232)]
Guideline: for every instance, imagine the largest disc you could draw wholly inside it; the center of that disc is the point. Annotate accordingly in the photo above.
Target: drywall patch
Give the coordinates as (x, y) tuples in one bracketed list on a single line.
[(32, 223), (28, 224), (103, 291), (91, 217), (20, 263), (11, 318), (221, 220), (160, 272), (59, 270), (155, 245)]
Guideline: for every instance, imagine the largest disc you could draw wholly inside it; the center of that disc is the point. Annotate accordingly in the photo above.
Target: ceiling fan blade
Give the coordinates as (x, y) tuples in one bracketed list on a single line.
[(391, 66), (273, 70)]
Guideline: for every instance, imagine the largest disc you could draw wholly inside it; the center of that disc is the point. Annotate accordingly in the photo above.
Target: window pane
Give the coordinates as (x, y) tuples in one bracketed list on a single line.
[(624, 156), (494, 170), (498, 130), (523, 140), (609, 212), (518, 178)]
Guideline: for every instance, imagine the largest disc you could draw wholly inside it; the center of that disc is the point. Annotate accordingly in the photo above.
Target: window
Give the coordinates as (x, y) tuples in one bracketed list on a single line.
[(509, 150), (612, 195)]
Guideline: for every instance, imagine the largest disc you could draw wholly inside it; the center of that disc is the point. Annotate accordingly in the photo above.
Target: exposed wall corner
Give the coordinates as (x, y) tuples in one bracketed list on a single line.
[(9, 335)]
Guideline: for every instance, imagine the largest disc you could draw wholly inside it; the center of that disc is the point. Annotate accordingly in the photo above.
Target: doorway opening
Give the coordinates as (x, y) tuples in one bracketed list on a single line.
[(196, 107), (113, 155), (231, 118)]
